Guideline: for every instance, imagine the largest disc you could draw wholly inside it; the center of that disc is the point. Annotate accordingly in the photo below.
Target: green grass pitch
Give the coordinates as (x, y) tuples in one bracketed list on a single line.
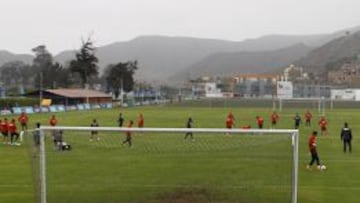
[(165, 168)]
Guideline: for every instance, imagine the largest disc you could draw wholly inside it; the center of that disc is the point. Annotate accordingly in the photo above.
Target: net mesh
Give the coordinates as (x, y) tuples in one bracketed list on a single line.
[(166, 167)]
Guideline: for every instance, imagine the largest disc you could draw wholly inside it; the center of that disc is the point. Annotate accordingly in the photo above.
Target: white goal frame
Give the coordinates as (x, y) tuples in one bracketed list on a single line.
[(321, 103), (293, 133)]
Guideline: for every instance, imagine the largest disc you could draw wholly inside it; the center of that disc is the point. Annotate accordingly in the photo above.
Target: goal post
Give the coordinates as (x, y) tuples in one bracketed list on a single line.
[(45, 131), (309, 103)]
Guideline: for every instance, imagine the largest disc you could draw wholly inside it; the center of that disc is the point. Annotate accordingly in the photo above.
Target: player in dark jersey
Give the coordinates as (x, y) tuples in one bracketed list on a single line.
[(94, 133), (189, 125), (121, 120), (297, 120), (346, 137)]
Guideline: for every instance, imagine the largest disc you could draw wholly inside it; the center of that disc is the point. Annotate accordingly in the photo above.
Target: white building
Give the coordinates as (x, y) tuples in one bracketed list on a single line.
[(211, 90), (345, 94), (284, 89)]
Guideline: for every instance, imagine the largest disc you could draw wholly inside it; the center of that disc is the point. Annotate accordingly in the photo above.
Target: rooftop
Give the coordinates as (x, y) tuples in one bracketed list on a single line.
[(77, 93)]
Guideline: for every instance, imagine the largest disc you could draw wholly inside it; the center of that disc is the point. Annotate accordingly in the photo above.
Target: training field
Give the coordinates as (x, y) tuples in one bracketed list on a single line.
[(163, 167)]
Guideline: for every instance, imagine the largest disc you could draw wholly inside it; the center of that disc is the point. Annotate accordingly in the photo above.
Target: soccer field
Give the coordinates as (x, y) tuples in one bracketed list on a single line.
[(165, 168)]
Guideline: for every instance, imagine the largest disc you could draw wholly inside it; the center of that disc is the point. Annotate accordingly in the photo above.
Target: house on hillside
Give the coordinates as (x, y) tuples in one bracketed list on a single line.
[(73, 96), (348, 75)]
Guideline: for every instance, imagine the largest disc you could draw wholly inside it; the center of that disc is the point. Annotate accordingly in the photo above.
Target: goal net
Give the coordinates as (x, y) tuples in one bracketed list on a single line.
[(165, 165), (316, 104)]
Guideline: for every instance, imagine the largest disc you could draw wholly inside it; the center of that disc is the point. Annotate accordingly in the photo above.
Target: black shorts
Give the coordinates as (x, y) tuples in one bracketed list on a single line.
[(5, 134)]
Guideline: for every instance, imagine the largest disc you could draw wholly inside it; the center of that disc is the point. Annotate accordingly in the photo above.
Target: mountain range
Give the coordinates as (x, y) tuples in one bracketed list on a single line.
[(169, 59)]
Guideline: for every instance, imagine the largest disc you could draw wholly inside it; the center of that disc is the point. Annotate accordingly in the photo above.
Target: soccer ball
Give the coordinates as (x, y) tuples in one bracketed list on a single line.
[(322, 167)]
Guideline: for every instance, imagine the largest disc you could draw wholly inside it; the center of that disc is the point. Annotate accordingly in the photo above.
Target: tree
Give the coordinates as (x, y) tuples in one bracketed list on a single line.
[(11, 73), (85, 63), (120, 76), (49, 74)]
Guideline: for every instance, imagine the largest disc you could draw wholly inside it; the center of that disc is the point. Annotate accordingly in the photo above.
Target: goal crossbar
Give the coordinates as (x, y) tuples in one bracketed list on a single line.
[(294, 133), (180, 130)]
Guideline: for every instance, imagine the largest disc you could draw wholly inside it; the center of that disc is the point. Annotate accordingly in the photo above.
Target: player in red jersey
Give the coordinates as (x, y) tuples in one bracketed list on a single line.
[(308, 117), (260, 122), (129, 134), (23, 119), (231, 116), (313, 151), (141, 120), (5, 131), (274, 119), (55, 133), (53, 121), (13, 132), (229, 123), (323, 126)]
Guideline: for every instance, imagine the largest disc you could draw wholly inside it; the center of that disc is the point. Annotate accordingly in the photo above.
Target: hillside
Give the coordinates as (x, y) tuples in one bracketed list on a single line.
[(6, 56), (160, 57), (345, 46), (244, 62)]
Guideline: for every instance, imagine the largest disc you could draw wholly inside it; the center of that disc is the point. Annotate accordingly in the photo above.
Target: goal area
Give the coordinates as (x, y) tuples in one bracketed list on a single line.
[(164, 165)]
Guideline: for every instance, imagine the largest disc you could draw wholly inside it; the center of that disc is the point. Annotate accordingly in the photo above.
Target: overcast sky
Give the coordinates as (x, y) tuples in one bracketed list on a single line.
[(60, 24)]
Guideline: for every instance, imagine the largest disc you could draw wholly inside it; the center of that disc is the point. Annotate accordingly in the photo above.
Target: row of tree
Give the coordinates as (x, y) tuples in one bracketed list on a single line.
[(79, 72)]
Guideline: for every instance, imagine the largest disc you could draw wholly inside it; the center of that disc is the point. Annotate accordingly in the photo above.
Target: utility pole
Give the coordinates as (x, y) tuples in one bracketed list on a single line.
[(40, 89), (121, 92)]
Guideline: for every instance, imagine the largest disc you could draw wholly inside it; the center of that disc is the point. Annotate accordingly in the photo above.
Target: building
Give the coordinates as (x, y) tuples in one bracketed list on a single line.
[(301, 90), (207, 87), (255, 85), (348, 75), (284, 90), (345, 94), (294, 74), (73, 96)]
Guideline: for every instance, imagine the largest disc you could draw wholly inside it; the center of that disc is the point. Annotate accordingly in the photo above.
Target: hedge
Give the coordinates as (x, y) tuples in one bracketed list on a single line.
[(17, 101)]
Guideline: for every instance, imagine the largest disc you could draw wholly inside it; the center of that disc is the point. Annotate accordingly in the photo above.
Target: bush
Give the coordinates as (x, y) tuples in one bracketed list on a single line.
[(18, 101)]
